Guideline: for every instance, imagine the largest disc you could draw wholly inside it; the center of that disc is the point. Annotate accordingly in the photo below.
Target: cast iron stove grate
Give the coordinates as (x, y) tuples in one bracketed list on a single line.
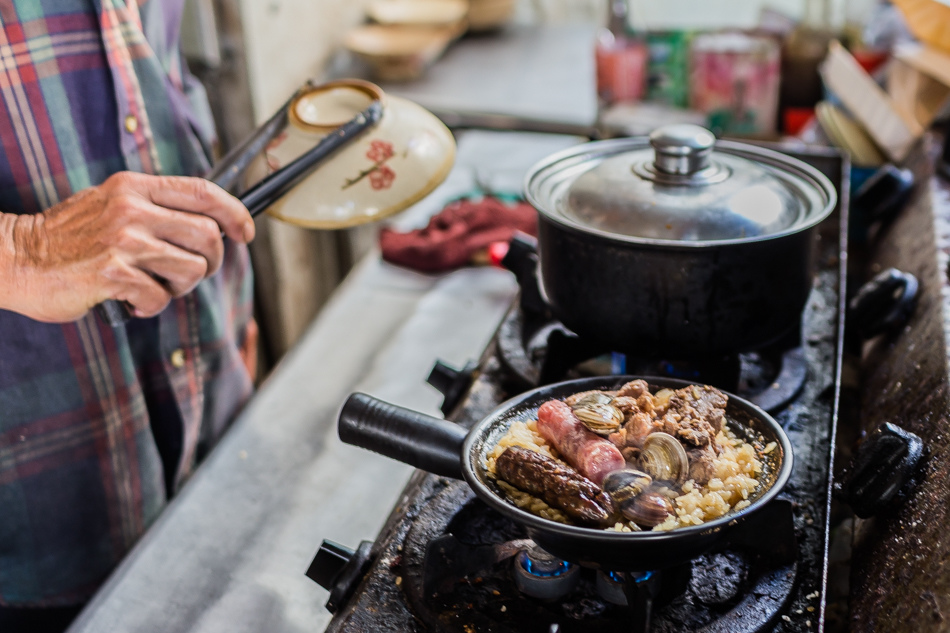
[(469, 579)]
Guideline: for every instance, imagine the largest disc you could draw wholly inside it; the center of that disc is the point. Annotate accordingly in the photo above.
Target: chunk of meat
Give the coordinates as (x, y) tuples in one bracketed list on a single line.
[(628, 404), (639, 421), (701, 467), (695, 414), (593, 456), (634, 389), (560, 486), (635, 431)]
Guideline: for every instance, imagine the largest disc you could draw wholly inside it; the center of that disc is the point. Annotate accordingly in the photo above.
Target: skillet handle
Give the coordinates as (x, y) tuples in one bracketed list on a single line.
[(414, 438)]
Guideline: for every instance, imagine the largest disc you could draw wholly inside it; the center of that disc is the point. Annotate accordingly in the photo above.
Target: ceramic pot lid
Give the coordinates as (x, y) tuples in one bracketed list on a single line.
[(679, 186), (385, 170)]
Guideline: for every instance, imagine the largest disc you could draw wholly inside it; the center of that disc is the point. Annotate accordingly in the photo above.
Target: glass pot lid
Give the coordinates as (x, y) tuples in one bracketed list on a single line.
[(679, 186)]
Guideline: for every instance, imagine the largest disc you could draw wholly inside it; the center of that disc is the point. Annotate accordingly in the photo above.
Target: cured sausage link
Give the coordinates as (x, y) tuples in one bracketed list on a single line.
[(593, 456), (558, 485)]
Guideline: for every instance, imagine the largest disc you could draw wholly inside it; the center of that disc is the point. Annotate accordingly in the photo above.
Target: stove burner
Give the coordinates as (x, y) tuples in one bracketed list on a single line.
[(610, 586), (537, 350), (456, 573), (540, 575)]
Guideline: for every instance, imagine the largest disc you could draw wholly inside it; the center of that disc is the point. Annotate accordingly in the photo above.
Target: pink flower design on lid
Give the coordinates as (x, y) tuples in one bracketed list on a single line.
[(382, 178), (380, 151), (381, 175)]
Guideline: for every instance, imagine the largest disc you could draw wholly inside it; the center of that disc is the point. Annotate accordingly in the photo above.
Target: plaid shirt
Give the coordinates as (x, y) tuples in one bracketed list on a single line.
[(96, 424)]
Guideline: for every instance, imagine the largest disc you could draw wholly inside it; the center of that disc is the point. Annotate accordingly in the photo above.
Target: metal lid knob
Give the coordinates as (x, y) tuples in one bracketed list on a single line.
[(681, 149)]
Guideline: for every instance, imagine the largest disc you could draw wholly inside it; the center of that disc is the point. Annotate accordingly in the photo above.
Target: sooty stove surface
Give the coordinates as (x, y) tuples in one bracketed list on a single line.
[(446, 562), (475, 577)]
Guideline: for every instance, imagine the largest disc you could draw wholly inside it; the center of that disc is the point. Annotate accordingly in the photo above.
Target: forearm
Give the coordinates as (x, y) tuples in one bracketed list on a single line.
[(18, 255)]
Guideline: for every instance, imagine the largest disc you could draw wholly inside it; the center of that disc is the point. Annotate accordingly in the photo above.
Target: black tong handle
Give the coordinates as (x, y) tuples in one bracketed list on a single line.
[(268, 190), (229, 169), (271, 188)]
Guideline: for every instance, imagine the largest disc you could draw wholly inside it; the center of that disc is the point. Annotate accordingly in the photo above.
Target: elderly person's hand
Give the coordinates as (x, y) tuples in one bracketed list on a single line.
[(135, 238)]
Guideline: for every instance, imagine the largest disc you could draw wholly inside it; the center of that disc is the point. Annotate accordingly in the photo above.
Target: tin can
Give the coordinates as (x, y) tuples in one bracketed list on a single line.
[(734, 80)]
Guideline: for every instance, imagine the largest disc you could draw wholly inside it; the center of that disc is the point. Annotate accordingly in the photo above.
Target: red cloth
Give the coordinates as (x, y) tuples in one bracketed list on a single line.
[(456, 233)]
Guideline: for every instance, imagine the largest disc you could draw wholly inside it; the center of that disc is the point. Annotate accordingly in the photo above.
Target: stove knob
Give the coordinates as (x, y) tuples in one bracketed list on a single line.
[(884, 303), (339, 569), (884, 194), (883, 466), (451, 383)]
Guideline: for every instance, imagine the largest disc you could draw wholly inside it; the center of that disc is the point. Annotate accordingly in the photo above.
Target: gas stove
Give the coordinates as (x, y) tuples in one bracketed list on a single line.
[(444, 561)]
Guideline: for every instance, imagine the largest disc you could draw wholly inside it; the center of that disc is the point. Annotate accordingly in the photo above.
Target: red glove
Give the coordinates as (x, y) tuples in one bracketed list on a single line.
[(457, 233)]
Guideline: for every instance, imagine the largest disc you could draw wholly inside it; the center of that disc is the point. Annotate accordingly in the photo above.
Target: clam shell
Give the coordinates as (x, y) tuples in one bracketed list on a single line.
[(602, 419), (664, 458), (623, 485), (648, 509), (594, 397)]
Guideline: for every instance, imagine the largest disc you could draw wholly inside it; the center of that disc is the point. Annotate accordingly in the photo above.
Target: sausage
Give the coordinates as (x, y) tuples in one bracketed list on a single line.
[(558, 485), (593, 456)]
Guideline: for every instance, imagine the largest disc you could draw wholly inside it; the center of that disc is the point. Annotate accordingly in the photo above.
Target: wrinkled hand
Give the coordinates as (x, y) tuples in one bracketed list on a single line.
[(135, 238)]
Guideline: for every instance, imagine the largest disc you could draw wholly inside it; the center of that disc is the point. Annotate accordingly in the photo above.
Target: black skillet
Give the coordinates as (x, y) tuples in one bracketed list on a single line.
[(447, 449)]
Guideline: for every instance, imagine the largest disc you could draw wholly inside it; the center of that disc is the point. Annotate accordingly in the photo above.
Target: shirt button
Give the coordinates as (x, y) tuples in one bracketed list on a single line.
[(178, 358), (131, 123)]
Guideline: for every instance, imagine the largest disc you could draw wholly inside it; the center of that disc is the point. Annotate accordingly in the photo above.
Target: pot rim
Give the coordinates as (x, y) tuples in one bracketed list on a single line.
[(597, 150)]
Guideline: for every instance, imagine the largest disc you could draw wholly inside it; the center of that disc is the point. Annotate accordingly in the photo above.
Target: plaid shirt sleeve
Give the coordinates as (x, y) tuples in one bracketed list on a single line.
[(98, 425)]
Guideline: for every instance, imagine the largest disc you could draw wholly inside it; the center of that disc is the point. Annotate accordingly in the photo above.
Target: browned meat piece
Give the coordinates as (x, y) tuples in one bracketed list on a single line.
[(701, 464), (629, 404), (635, 430), (557, 484), (695, 414), (634, 389), (626, 404), (631, 453), (689, 432), (639, 419)]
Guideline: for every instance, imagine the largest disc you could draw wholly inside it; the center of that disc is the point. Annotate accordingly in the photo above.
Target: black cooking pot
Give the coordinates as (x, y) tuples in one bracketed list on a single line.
[(692, 248), (446, 449)]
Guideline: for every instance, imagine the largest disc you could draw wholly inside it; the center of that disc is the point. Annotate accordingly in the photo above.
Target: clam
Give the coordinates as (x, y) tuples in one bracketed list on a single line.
[(664, 458), (597, 414), (648, 509), (593, 397), (624, 485)]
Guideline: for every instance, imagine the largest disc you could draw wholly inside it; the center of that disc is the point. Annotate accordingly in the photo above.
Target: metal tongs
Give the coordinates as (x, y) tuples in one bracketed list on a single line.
[(259, 197)]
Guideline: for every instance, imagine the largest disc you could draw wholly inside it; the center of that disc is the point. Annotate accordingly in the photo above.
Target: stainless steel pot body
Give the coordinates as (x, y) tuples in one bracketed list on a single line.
[(675, 301)]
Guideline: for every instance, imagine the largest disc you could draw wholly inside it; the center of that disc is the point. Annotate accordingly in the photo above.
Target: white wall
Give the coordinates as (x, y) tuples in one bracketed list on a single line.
[(290, 41)]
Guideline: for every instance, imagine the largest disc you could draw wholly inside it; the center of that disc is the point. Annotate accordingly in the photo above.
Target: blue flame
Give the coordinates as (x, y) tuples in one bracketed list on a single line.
[(529, 567), (637, 576)]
